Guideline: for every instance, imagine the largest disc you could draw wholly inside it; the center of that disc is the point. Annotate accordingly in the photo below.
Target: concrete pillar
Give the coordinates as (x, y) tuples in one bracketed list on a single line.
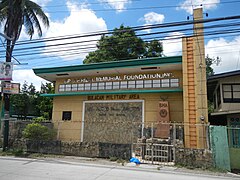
[(194, 86)]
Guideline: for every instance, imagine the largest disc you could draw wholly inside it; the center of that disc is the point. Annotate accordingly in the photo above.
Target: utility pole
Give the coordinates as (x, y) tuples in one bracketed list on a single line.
[(8, 59)]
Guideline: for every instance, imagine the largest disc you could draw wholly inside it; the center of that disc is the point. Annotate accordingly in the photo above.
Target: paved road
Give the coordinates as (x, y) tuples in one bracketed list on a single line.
[(23, 169)]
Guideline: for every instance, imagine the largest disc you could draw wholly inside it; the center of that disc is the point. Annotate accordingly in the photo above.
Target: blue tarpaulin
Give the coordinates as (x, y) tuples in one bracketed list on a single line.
[(135, 160)]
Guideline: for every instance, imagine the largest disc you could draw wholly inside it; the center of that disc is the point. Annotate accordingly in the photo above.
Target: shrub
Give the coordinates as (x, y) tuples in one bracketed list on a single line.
[(36, 131), (39, 119)]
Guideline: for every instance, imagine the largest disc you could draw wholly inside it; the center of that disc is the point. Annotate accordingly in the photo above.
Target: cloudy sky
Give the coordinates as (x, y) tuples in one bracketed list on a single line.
[(80, 17)]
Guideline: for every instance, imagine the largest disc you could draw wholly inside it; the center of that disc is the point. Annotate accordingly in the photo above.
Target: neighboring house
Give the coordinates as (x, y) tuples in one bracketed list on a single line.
[(224, 92)]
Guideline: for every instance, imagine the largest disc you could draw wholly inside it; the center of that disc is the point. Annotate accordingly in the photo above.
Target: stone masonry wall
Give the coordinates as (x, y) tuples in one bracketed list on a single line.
[(16, 128), (122, 151), (84, 149), (194, 158), (45, 147)]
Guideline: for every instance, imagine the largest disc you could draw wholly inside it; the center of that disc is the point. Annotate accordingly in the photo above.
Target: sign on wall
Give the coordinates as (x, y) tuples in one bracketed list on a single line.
[(6, 69), (123, 77), (11, 88), (163, 118)]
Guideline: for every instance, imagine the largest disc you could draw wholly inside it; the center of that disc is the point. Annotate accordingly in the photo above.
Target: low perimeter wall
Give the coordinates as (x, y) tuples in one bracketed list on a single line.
[(84, 149), (194, 158)]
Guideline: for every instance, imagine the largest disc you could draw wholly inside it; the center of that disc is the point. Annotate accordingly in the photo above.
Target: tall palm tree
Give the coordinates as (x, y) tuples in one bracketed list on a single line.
[(15, 14), (18, 13)]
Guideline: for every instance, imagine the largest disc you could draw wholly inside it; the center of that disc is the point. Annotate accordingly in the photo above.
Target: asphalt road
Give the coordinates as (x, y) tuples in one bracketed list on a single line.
[(35, 169)]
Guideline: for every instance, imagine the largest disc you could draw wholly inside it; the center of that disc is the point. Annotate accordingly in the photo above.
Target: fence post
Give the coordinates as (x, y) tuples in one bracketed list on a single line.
[(152, 142), (174, 142), (58, 131), (132, 139), (207, 136)]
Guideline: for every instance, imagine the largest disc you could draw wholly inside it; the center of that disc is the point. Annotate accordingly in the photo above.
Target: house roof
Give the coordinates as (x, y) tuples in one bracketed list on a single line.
[(115, 67), (224, 75)]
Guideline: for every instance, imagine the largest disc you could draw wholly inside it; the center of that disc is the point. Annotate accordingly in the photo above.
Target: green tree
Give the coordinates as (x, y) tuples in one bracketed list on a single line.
[(153, 49), (44, 104), (209, 63), (121, 45), (18, 13), (20, 104), (30, 103)]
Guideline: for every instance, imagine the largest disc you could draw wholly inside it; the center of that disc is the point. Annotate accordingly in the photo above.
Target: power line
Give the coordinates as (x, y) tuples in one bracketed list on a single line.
[(134, 28), (93, 47), (145, 8), (86, 46), (166, 25)]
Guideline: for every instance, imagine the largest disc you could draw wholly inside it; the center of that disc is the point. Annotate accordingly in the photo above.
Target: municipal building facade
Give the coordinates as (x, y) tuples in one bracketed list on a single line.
[(115, 101)]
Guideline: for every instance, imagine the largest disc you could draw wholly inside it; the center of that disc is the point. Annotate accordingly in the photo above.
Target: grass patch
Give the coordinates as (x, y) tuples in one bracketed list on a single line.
[(15, 152), (113, 158)]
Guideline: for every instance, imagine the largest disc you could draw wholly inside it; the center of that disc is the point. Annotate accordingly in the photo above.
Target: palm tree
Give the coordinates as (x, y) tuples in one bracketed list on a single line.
[(18, 13), (15, 14)]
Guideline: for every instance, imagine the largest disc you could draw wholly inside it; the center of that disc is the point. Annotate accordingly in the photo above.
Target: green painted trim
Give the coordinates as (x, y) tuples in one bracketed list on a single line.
[(111, 65), (114, 92)]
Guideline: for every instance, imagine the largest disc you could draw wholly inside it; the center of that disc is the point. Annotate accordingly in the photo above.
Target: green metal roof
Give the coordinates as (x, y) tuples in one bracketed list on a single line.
[(115, 92), (110, 65)]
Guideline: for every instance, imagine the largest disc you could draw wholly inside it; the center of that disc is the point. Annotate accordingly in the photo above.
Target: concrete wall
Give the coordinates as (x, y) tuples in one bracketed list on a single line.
[(71, 130)]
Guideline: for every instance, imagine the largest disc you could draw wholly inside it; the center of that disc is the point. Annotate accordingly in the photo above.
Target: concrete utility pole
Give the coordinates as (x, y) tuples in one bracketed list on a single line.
[(8, 59)]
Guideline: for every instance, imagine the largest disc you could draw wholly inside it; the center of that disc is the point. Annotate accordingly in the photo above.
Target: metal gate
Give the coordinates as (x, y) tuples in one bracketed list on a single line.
[(153, 153), (153, 150)]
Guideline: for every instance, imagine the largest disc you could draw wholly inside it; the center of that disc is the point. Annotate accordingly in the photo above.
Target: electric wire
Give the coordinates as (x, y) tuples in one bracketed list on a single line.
[(144, 8), (93, 46), (140, 35), (225, 31), (134, 28)]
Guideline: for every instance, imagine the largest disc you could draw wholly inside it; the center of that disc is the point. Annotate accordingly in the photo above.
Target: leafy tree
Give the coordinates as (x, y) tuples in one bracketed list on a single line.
[(209, 63), (17, 13), (121, 45), (29, 101), (44, 104), (20, 102), (153, 49), (31, 89)]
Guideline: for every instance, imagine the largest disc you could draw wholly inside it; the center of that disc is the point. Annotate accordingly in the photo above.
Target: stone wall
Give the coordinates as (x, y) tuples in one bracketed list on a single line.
[(122, 151), (19, 144), (16, 128), (45, 147), (194, 158), (84, 149)]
